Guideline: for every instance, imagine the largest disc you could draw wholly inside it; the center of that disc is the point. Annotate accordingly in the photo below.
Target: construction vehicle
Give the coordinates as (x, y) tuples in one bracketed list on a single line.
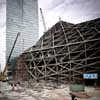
[(4, 75)]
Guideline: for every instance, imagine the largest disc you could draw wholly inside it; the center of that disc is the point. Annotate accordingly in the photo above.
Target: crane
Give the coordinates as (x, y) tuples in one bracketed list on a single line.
[(44, 25), (3, 75)]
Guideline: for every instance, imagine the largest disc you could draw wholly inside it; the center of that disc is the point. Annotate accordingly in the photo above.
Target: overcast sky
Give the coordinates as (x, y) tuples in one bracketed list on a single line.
[(73, 11)]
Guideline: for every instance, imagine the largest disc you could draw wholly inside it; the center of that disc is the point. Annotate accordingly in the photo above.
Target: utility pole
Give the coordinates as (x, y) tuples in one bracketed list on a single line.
[(44, 25)]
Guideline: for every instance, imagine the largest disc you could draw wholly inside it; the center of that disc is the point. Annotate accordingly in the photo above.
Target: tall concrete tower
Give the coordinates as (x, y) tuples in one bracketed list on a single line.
[(17, 16), (22, 16)]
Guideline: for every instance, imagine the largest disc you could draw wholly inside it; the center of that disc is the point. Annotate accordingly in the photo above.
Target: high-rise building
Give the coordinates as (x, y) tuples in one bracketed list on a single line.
[(20, 16)]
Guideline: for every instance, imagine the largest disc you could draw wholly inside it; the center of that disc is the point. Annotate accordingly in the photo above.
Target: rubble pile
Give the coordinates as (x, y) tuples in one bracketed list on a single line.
[(42, 91)]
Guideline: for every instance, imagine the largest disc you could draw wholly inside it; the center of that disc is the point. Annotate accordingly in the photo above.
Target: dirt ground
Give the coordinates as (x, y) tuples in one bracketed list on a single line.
[(42, 91)]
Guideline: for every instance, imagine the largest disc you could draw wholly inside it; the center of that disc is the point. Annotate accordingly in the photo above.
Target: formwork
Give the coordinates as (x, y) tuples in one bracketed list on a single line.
[(20, 72), (65, 52)]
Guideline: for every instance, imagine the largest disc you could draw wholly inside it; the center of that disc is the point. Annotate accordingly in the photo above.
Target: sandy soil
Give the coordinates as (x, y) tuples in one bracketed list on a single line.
[(42, 91)]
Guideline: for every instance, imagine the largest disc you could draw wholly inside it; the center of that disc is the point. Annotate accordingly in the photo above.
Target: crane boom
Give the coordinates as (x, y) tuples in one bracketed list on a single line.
[(3, 75), (13, 47), (44, 25)]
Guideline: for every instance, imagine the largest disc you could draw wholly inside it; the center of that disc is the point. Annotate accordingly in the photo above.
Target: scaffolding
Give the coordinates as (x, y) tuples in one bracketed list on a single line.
[(65, 52)]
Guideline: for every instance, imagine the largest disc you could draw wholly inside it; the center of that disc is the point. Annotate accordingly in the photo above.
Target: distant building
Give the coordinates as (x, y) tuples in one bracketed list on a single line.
[(21, 16), (2, 33)]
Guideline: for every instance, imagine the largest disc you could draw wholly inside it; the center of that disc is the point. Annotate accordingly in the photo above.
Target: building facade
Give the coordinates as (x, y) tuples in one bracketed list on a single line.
[(21, 16), (2, 34), (17, 16)]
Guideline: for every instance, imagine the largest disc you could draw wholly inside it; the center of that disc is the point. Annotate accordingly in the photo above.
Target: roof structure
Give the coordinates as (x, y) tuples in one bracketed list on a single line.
[(65, 52)]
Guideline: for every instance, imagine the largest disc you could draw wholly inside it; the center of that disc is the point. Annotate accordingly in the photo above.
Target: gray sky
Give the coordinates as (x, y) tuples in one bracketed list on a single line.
[(73, 11)]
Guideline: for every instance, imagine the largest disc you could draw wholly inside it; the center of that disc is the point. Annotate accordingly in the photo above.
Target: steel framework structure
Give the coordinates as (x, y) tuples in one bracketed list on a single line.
[(65, 52)]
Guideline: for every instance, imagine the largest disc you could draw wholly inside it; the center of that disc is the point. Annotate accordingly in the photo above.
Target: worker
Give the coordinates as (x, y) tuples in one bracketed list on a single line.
[(13, 86)]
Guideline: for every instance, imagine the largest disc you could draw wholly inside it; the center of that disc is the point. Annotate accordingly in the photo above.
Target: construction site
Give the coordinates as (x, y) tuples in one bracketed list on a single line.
[(64, 64), (58, 61)]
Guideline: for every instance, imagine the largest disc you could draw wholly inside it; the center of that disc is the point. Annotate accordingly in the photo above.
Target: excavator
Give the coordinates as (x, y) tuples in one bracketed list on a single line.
[(4, 74)]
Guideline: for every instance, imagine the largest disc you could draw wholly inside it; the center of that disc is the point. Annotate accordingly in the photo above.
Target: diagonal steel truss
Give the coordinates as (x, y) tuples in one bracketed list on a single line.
[(65, 52)]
